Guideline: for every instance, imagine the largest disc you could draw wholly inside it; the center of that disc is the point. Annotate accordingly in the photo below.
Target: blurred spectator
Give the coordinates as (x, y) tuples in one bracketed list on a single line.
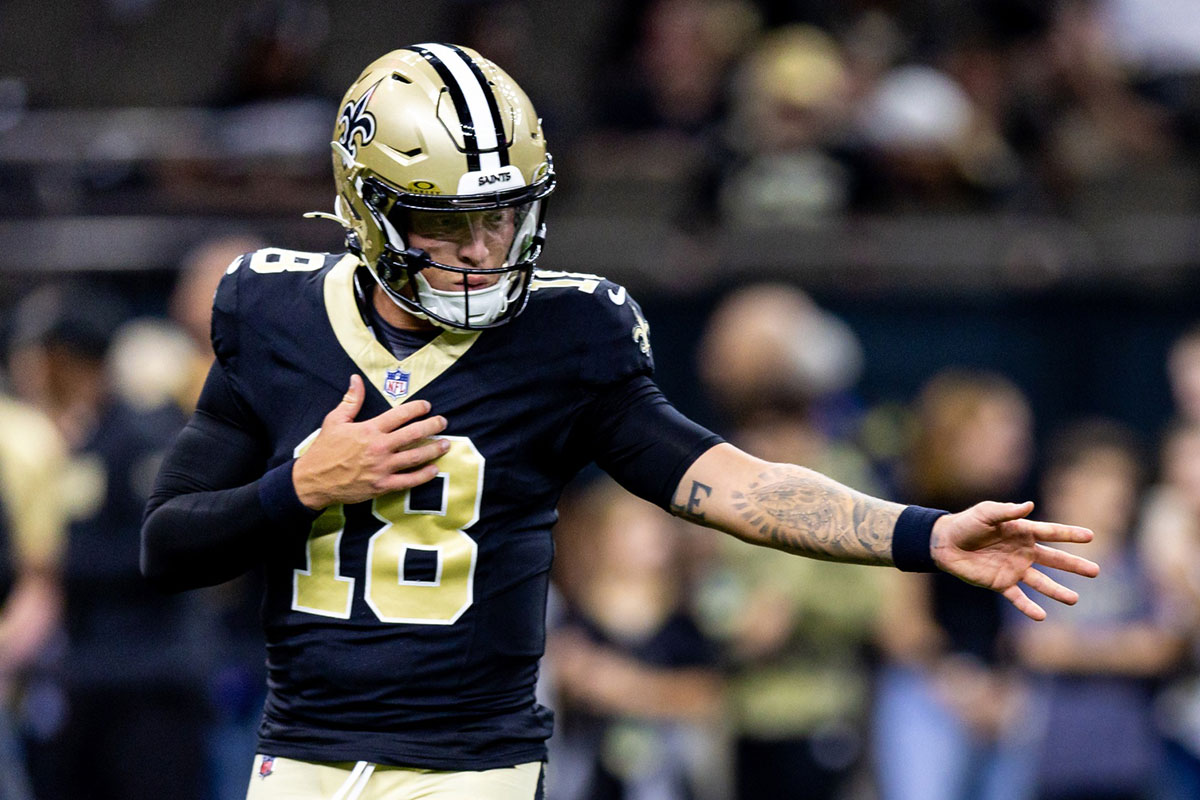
[(1170, 549), (770, 342), (149, 362), (32, 527), (671, 75), (1105, 148), (192, 298), (274, 126), (660, 100), (135, 663), (928, 148), (277, 48), (790, 112), (1095, 669), (1159, 42), (159, 366), (636, 678), (797, 630), (1183, 370), (947, 699)]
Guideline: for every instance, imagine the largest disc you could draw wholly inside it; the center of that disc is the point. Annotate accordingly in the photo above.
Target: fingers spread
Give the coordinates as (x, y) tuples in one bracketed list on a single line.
[(1049, 587), (1023, 604), (1068, 562), (402, 414), (1053, 532)]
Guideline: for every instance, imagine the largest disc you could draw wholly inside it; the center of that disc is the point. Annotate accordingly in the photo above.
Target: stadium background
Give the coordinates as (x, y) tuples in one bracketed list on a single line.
[(1065, 257)]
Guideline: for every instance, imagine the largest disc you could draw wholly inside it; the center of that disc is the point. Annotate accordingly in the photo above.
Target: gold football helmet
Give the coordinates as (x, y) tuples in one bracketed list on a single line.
[(425, 134)]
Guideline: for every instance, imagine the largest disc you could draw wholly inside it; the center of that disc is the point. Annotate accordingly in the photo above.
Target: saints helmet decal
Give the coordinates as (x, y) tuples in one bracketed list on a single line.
[(356, 122)]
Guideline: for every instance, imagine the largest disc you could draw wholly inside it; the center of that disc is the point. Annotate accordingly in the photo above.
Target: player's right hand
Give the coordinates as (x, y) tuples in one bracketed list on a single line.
[(350, 462)]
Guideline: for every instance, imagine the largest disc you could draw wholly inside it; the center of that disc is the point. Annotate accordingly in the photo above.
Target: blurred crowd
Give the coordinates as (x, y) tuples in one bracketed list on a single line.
[(752, 113), (795, 112), (682, 665)]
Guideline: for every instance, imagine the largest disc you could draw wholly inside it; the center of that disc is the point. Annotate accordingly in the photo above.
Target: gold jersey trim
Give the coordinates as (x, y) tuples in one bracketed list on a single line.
[(371, 357)]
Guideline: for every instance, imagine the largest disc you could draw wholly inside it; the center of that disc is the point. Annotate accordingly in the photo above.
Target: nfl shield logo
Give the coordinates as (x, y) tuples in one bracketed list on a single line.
[(267, 766), (395, 383)]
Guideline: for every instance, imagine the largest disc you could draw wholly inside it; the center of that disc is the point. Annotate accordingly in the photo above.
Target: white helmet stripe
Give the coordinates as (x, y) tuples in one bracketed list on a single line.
[(486, 135), (493, 106)]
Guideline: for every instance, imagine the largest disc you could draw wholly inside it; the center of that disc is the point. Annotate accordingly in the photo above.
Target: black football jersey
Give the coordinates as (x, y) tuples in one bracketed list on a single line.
[(407, 630)]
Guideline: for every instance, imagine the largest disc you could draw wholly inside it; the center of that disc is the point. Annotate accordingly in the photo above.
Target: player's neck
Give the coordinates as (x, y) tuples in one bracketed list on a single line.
[(395, 315)]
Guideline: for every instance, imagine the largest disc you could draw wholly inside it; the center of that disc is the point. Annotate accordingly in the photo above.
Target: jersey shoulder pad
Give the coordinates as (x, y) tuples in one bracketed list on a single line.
[(602, 317), (264, 288)]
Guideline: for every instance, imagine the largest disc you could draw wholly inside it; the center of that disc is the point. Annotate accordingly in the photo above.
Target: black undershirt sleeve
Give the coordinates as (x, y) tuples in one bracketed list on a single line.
[(641, 440), (213, 509)]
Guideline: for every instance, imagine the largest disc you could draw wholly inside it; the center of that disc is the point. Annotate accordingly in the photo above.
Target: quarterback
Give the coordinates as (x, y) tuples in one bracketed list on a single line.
[(387, 431)]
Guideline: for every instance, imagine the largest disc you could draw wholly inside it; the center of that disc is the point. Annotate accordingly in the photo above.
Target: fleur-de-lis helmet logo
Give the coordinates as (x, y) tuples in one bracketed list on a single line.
[(356, 120)]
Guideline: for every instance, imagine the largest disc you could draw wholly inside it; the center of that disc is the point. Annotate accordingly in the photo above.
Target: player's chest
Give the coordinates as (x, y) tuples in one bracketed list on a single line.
[(513, 405)]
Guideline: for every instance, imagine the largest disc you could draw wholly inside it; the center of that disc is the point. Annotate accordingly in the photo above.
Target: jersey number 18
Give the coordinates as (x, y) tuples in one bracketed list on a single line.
[(321, 588)]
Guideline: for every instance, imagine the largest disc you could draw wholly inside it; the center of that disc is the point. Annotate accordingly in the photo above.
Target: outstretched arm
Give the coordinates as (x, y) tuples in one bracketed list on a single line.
[(801, 511)]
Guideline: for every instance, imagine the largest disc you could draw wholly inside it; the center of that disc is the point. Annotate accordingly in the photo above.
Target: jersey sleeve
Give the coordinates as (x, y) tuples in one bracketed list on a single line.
[(617, 337), (226, 313), (627, 427), (634, 434)]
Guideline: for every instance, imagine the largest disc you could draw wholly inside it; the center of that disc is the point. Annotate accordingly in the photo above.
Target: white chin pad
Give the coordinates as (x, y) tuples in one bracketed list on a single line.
[(487, 304)]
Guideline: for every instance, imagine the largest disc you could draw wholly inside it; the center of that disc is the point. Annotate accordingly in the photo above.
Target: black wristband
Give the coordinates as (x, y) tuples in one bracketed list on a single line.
[(910, 539), (278, 496)]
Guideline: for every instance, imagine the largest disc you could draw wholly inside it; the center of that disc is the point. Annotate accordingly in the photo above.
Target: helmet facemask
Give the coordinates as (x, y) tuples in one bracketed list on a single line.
[(500, 236)]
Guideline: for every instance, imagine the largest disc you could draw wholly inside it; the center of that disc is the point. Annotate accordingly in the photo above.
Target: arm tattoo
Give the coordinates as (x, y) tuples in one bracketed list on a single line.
[(804, 512), (692, 511)]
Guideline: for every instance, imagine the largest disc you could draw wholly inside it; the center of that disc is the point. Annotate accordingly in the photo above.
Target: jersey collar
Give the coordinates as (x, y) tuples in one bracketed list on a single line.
[(379, 367)]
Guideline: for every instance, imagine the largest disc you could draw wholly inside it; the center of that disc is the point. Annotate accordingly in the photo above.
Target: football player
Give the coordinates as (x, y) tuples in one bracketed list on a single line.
[(387, 431)]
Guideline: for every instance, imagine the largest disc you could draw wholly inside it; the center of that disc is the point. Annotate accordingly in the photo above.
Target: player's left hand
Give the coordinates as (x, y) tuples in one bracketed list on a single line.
[(992, 545)]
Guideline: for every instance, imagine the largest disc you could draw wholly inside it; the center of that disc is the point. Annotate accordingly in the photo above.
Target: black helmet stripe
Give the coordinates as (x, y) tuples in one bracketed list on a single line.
[(461, 106), (475, 103), (493, 109)]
